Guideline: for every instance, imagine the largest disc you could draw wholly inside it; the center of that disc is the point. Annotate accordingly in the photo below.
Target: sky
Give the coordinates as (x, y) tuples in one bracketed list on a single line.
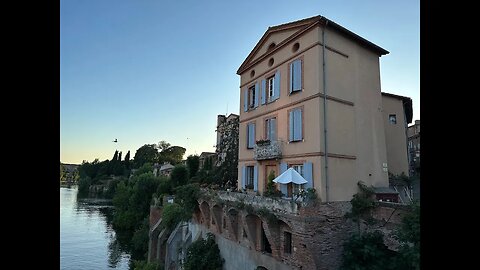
[(142, 71)]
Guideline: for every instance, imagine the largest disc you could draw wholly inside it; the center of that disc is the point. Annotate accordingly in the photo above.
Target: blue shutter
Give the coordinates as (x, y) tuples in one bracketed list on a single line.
[(245, 100), (297, 122), (291, 78), (308, 174), (283, 188), (290, 126), (297, 75), (264, 91), (276, 86), (283, 167), (273, 126), (255, 178), (244, 176), (251, 135), (255, 104)]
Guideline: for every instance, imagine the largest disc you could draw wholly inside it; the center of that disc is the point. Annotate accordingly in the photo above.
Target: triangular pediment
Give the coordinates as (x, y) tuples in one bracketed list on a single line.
[(277, 35)]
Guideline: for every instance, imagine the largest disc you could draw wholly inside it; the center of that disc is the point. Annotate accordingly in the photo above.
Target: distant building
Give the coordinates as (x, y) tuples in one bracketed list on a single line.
[(203, 158), (166, 169), (414, 146)]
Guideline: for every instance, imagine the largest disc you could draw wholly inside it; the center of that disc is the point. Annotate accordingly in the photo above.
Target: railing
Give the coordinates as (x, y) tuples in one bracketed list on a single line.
[(267, 150)]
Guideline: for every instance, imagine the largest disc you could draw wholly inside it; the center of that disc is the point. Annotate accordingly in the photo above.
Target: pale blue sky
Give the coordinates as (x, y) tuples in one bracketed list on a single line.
[(143, 71)]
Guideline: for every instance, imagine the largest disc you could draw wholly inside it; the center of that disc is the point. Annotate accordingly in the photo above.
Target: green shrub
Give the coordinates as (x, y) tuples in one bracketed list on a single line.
[(204, 254)]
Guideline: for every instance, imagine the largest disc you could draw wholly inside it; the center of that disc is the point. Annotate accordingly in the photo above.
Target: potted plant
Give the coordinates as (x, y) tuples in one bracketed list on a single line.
[(262, 142)]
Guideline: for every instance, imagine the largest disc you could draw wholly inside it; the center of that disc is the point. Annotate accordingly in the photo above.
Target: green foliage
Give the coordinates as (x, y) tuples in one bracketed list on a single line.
[(173, 155), (179, 176), (367, 252), (83, 185), (164, 186), (193, 163), (127, 160), (409, 236), (145, 168), (204, 255), (271, 190), (172, 215), (146, 153), (362, 204), (140, 238), (187, 196), (111, 188), (271, 217), (144, 265)]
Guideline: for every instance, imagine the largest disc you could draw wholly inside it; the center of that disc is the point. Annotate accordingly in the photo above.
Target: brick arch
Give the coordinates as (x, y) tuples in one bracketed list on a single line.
[(274, 232), (233, 222), (205, 209), (218, 217), (253, 223), (197, 214)]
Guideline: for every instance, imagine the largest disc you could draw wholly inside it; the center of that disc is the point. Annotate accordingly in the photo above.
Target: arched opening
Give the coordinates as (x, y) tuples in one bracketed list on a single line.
[(233, 217), (205, 208), (197, 215), (217, 216), (256, 234)]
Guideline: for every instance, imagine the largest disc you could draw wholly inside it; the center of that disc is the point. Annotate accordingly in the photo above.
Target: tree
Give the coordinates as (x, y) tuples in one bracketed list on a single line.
[(193, 163), (362, 204), (115, 156), (144, 154), (119, 156), (163, 145), (226, 172), (409, 236), (187, 196), (173, 154), (367, 252), (179, 176), (127, 160), (204, 254)]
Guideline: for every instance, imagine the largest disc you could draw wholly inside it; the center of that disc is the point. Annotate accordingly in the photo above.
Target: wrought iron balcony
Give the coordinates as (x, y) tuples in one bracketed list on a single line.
[(267, 150)]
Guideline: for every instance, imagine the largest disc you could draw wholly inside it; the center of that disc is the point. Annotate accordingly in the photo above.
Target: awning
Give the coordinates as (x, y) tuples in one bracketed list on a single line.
[(290, 176)]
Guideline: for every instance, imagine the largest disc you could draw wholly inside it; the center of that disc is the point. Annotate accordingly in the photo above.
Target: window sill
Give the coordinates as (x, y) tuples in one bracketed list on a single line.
[(302, 140), (297, 91)]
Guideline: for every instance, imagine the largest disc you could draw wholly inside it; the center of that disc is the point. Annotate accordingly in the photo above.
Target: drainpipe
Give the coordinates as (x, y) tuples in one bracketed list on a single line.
[(325, 112)]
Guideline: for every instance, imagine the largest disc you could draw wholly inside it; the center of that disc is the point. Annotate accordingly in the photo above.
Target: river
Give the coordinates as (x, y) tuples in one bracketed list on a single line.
[(87, 240)]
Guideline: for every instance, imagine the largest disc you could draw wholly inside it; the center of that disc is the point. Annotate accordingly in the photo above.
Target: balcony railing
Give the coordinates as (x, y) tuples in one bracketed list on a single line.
[(267, 150)]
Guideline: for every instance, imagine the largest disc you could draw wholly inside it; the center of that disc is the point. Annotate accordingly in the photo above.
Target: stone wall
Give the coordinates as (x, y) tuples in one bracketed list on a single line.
[(259, 235)]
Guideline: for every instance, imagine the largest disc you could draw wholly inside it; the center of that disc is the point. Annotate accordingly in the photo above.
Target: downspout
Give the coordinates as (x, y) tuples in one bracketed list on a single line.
[(325, 112)]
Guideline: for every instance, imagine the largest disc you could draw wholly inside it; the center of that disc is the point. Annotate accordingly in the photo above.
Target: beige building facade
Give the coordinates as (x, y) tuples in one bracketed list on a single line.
[(310, 98), (397, 114)]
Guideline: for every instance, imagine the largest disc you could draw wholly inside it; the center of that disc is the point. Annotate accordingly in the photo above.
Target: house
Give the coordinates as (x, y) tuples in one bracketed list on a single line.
[(166, 169), (310, 98), (397, 114), (203, 158), (413, 134)]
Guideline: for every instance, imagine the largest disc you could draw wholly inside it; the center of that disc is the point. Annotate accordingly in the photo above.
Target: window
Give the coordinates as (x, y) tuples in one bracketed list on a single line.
[(270, 129), (296, 76), (299, 169), (295, 125), (250, 135), (271, 88), (392, 118), (249, 177), (251, 97), (287, 245)]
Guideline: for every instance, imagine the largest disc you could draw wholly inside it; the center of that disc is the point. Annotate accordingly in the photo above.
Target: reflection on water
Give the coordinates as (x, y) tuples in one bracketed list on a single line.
[(87, 240)]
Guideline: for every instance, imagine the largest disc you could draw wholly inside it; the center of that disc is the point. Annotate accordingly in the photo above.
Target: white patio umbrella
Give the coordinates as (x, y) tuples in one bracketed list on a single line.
[(290, 176)]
